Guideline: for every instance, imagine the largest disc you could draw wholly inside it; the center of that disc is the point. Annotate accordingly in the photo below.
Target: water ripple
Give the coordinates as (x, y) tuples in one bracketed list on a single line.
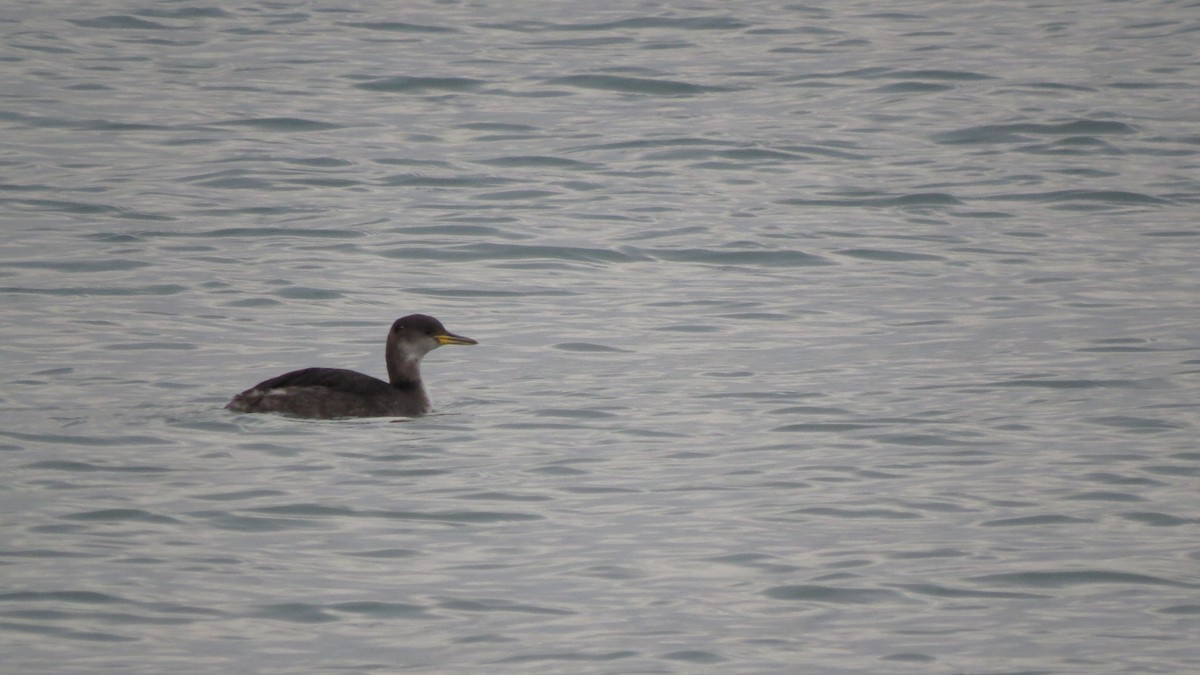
[(637, 85), (278, 124), (831, 594), (404, 84), (1056, 579), (401, 27), (1020, 132), (119, 22)]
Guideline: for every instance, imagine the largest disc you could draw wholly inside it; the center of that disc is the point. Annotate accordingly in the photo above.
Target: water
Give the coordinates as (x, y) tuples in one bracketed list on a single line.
[(837, 337)]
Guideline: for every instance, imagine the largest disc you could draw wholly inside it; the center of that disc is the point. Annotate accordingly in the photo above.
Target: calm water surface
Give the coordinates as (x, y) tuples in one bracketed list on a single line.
[(829, 338)]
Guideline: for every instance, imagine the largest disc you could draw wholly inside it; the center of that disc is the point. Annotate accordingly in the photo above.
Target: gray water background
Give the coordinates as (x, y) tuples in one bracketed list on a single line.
[(835, 337)]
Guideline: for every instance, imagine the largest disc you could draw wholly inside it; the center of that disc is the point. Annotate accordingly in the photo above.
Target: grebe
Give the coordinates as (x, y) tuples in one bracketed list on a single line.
[(326, 393)]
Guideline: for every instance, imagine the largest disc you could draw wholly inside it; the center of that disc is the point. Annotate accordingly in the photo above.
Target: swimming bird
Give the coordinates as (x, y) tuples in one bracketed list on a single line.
[(326, 393)]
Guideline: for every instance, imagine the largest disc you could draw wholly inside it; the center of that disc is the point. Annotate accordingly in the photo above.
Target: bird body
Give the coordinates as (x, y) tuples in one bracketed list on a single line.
[(326, 393)]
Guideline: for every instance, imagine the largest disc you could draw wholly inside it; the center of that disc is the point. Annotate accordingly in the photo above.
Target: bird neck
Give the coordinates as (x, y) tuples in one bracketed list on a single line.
[(403, 369)]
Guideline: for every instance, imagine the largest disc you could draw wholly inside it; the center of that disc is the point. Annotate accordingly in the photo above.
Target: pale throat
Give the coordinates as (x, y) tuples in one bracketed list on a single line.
[(403, 366)]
